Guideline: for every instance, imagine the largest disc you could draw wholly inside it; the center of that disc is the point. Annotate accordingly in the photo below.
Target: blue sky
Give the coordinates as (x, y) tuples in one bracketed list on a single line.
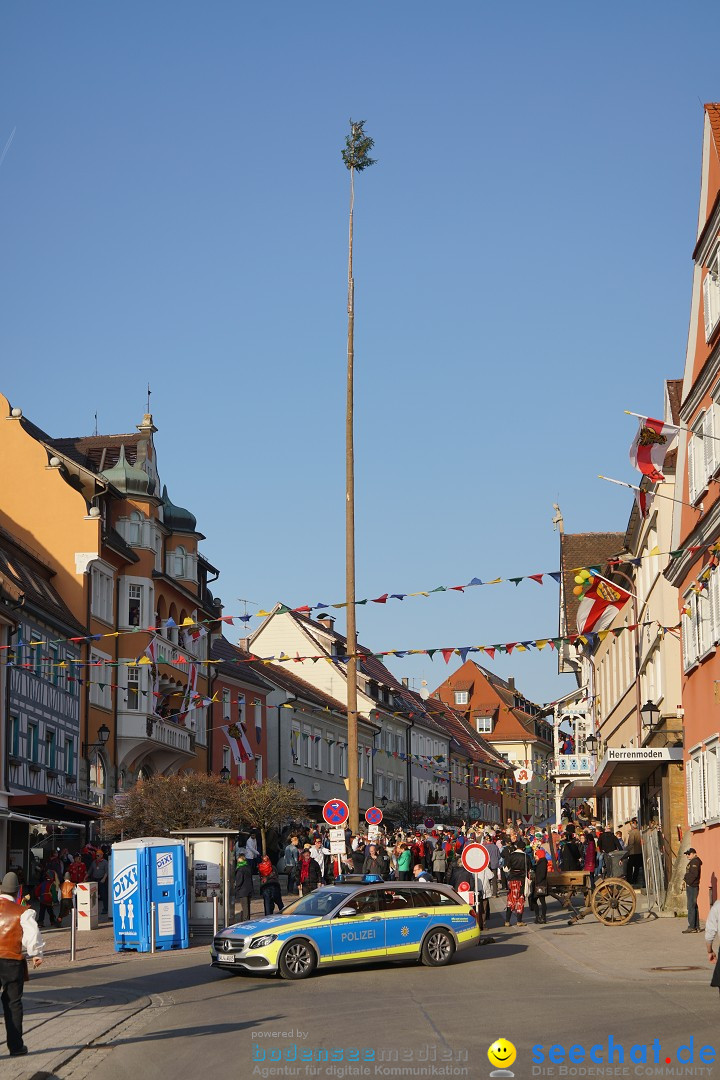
[(173, 209)]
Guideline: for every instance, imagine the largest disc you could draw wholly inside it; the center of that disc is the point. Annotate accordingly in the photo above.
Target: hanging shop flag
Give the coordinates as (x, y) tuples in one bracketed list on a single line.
[(523, 775), (650, 446), (600, 602), (239, 745)]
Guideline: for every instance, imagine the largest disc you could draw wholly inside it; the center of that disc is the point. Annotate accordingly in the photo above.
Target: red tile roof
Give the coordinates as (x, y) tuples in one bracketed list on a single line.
[(674, 393)]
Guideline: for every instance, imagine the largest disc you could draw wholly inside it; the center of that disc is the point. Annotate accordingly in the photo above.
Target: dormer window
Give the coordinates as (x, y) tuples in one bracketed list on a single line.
[(484, 725), (462, 697)]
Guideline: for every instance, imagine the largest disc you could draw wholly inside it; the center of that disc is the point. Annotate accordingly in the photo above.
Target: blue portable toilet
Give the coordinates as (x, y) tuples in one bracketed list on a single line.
[(144, 871)]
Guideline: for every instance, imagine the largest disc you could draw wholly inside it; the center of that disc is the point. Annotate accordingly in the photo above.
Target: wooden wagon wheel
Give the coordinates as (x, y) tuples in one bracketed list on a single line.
[(613, 902)]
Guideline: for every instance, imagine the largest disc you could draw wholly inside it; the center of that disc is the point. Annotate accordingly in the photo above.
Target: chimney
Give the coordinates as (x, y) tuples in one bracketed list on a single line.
[(244, 644), (406, 683), (328, 621), (511, 682)]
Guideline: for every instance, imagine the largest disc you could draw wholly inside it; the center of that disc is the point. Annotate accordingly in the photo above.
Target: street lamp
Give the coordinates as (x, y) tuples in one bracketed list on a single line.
[(102, 737), (291, 783), (650, 714), (591, 741), (225, 774), (383, 802)]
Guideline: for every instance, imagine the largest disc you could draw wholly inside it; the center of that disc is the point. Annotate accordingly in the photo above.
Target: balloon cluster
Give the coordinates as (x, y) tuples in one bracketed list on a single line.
[(583, 581)]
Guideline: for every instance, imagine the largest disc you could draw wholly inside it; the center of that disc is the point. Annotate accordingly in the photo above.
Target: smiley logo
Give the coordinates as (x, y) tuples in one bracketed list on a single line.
[(502, 1054)]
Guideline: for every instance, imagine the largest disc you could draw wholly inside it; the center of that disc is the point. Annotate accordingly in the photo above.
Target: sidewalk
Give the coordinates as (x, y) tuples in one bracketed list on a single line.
[(644, 950), (98, 945)]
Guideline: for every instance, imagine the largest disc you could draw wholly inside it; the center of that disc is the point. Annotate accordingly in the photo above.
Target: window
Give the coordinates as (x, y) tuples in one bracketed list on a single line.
[(69, 756), (33, 743), (15, 736), (317, 749), (364, 904), (697, 466), (257, 709), (379, 785), (226, 704), (484, 724), (399, 745), (133, 688), (711, 295), (134, 529), (712, 781), (97, 772), (226, 757), (331, 758), (101, 600), (461, 697), (697, 628), (54, 672), (258, 770), (400, 789), (134, 605), (179, 562), (50, 748), (38, 659), (695, 787), (100, 679), (390, 788), (307, 742)]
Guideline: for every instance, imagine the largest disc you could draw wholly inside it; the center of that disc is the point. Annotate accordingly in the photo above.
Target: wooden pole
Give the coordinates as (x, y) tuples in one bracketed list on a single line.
[(352, 765)]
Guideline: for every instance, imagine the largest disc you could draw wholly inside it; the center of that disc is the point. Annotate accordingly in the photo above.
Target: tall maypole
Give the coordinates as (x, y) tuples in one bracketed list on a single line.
[(356, 156)]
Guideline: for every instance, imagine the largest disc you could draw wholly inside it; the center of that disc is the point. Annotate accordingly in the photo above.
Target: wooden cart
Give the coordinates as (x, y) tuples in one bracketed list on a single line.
[(612, 901)]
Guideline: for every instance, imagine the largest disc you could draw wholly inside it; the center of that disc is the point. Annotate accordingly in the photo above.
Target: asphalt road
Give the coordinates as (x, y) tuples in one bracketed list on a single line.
[(208, 1023)]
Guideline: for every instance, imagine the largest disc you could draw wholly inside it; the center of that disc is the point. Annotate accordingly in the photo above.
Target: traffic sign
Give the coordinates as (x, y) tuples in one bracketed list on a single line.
[(336, 812), (336, 836), (465, 892), (373, 815), (373, 832), (475, 857), (429, 822)]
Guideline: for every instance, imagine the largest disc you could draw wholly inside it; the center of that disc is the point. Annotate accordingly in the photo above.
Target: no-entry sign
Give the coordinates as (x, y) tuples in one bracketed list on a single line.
[(475, 857)]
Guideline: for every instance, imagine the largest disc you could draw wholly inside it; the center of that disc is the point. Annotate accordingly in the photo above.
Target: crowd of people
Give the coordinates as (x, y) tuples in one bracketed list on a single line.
[(520, 859), (52, 883)]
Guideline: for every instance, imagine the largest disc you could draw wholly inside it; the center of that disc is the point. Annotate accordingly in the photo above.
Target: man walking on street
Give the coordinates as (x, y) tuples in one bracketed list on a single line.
[(19, 938), (99, 872), (692, 888)]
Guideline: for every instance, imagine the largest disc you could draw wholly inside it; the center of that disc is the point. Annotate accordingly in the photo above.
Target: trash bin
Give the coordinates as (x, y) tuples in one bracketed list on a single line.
[(616, 863), (145, 871), (86, 893)]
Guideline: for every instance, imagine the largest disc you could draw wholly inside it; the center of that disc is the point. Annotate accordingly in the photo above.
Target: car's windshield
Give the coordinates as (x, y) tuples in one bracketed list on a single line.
[(319, 902)]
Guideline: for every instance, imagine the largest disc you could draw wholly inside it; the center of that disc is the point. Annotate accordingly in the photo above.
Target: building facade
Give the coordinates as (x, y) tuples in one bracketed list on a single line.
[(515, 728), (126, 564), (696, 525)]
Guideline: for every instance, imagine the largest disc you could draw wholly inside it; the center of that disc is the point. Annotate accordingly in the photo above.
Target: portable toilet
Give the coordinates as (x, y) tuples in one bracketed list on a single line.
[(144, 871)]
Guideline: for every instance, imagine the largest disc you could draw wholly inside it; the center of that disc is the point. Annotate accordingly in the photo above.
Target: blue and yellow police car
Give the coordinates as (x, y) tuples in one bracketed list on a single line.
[(355, 921)]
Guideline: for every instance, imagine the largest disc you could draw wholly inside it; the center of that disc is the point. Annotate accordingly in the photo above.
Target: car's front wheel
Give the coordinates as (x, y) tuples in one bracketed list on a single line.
[(297, 960), (438, 949)]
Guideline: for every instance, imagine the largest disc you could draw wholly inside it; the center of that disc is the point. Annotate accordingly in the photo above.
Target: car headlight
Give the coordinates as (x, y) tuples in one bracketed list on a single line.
[(261, 942)]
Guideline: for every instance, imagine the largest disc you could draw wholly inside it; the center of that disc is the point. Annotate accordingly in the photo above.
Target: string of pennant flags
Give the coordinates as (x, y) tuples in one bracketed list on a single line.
[(463, 651), (199, 628)]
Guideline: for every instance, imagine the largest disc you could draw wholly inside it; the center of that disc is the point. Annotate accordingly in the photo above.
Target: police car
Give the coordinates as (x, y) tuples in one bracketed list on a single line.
[(359, 920)]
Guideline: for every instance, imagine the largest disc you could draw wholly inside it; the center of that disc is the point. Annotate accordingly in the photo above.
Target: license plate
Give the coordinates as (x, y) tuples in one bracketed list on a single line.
[(226, 959)]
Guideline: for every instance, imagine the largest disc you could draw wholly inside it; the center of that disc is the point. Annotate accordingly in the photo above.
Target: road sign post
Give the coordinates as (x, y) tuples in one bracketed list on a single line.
[(475, 858), (336, 812)]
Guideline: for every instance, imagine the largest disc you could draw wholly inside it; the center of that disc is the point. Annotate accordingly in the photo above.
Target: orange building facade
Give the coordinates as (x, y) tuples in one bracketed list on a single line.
[(696, 526), (127, 565)]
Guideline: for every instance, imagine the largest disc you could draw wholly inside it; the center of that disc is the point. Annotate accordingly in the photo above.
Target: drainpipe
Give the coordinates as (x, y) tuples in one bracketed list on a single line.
[(117, 657), (86, 688)]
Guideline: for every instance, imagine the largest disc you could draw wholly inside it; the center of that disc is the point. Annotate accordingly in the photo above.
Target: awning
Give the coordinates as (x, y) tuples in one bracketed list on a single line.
[(582, 789), (51, 808), (630, 766)]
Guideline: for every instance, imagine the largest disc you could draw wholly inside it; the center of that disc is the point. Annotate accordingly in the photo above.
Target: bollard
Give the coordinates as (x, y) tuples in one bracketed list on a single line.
[(152, 927), (73, 927), (215, 916)]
